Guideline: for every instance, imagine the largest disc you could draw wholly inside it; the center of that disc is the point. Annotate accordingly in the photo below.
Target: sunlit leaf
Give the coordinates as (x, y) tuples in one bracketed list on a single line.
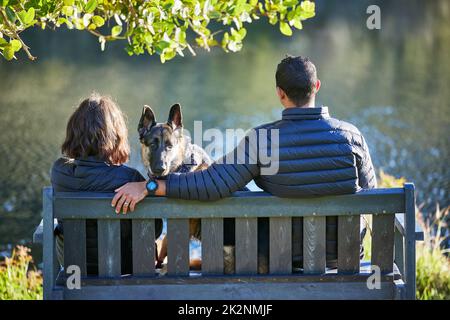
[(99, 21), (90, 6), (116, 30), (8, 53), (16, 45), (285, 28)]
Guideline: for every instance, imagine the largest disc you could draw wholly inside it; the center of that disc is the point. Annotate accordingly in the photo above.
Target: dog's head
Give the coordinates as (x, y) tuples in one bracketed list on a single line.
[(162, 143)]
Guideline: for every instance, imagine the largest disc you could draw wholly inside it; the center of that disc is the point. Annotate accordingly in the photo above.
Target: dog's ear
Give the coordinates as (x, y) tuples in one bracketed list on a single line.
[(146, 122), (175, 116)]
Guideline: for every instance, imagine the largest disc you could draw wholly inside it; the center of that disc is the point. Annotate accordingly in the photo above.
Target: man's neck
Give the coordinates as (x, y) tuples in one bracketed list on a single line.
[(310, 104)]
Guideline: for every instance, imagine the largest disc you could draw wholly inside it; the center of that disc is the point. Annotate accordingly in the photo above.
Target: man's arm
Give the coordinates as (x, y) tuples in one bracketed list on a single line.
[(219, 180)]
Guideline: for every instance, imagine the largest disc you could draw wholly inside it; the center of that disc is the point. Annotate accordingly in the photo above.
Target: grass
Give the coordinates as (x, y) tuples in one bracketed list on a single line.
[(433, 263), (19, 280)]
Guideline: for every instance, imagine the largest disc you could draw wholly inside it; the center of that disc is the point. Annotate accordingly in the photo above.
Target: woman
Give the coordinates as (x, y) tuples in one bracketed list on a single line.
[(94, 151)]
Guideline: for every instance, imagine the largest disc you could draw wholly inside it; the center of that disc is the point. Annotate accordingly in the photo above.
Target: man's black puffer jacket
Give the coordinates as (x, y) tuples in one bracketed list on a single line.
[(318, 155)]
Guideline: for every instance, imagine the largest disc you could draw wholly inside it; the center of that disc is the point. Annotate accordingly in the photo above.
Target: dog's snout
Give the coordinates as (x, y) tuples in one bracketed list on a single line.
[(159, 168)]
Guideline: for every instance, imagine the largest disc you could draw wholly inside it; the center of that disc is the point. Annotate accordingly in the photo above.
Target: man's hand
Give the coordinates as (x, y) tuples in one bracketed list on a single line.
[(128, 195)]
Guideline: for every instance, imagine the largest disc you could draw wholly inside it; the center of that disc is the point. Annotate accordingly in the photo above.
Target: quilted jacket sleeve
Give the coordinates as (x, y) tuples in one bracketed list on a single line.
[(229, 174), (366, 173)]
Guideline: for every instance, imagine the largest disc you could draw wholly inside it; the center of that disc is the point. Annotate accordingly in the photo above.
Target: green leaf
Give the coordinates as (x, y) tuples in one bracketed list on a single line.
[(308, 6), (99, 21), (21, 15), (69, 2), (148, 38), (3, 43), (10, 14), (116, 30), (161, 45), (298, 24), (285, 29), (67, 11), (242, 32), (90, 6), (29, 17), (16, 45), (8, 53), (169, 54)]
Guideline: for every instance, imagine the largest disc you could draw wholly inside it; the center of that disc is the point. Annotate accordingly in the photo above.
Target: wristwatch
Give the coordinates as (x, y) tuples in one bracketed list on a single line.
[(151, 186)]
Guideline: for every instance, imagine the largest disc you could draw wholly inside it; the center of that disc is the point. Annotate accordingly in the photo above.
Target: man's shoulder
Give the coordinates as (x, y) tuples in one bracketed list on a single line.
[(269, 125), (344, 126)]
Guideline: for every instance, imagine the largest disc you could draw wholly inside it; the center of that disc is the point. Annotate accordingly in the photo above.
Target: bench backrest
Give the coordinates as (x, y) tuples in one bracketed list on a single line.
[(303, 219)]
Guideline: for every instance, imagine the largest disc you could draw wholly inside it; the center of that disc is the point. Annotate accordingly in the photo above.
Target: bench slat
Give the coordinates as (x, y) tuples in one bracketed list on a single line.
[(98, 205), (212, 246), (143, 247), (297, 242), (314, 248), (348, 244), (109, 255), (383, 242), (75, 244), (178, 247), (246, 245), (280, 260)]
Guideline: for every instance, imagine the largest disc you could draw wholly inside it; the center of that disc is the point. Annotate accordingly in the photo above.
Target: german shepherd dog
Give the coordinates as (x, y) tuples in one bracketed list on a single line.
[(165, 149)]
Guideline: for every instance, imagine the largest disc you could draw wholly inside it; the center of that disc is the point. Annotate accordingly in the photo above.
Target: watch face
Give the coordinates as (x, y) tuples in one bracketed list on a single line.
[(152, 185)]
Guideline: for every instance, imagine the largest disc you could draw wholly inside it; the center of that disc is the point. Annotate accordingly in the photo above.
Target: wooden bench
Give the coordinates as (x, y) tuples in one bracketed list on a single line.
[(393, 235)]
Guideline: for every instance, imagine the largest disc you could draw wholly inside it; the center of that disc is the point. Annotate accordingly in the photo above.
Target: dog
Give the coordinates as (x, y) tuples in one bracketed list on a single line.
[(165, 149)]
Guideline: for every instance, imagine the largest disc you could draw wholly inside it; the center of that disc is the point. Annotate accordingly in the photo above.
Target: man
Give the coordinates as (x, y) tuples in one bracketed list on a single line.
[(318, 154)]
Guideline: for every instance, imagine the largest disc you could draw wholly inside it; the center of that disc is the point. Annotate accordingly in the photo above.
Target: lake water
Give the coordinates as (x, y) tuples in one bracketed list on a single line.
[(392, 83)]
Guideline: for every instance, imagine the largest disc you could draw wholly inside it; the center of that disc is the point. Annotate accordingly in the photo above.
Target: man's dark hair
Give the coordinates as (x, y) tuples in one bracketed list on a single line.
[(297, 77)]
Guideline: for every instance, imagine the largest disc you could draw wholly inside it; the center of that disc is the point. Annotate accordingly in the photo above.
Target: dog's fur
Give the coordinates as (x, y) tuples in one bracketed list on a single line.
[(165, 149)]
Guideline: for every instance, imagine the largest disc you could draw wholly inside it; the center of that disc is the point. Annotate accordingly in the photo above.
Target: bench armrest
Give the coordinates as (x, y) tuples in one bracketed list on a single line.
[(400, 225), (38, 235)]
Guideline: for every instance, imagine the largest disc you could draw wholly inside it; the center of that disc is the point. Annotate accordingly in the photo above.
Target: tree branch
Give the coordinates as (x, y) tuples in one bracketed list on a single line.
[(16, 36)]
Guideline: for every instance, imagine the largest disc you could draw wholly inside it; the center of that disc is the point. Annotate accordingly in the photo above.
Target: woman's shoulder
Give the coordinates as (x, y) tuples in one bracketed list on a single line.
[(129, 173)]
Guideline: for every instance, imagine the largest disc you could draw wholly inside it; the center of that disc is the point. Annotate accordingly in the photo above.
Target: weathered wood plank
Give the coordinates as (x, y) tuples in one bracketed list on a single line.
[(410, 241), (237, 291), (383, 242), (49, 243), (98, 205), (178, 246), (314, 240), (246, 245), (212, 246), (109, 248), (75, 244), (348, 244), (143, 247), (280, 261)]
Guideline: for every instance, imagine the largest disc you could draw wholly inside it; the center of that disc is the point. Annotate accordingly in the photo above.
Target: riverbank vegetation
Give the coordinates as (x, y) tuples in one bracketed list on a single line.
[(19, 280)]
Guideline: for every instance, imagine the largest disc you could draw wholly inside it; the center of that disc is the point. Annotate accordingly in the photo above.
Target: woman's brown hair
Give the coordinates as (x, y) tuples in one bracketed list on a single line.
[(97, 128)]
